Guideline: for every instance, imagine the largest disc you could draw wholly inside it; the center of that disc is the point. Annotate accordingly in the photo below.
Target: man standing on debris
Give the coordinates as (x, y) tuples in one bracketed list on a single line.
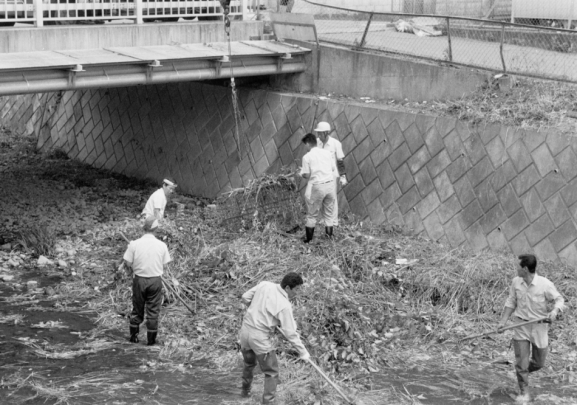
[(268, 307), (319, 168), (146, 257), (527, 301), (327, 142), (157, 202)]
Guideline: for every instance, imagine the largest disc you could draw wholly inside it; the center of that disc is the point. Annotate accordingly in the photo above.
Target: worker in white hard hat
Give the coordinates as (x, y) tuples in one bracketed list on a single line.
[(327, 142)]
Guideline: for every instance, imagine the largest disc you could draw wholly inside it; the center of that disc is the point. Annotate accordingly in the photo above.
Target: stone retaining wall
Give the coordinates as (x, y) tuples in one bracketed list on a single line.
[(487, 186)]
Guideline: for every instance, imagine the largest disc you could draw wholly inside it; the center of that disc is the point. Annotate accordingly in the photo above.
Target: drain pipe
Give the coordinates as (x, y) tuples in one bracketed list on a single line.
[(21, 85)]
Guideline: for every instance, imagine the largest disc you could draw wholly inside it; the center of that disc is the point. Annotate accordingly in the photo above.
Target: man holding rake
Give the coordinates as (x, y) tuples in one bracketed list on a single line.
[(527, 301), (268, 308)]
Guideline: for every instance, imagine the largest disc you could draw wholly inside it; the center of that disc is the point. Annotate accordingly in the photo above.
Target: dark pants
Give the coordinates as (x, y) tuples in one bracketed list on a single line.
[(527, 360), (146, 293), (269, 365)]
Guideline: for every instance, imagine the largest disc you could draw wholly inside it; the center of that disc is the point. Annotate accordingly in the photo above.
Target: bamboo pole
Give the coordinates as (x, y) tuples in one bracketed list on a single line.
[(318, 370), (503, 329)]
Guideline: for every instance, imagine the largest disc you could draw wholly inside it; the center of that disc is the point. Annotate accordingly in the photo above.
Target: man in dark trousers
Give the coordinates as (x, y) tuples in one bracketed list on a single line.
[(268, 307), (146, 257), (527, 301)]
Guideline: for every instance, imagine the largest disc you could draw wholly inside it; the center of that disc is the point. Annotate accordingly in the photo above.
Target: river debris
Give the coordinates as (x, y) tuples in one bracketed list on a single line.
[(377, 302)]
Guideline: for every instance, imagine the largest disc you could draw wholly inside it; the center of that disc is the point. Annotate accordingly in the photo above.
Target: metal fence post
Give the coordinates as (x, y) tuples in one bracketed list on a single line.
[(138, 11), (39, 13), (244, 8), (449, 39), (501, 47), (363, 40)]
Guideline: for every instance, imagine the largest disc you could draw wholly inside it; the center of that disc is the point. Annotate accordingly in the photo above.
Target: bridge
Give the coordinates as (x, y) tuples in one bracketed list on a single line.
[(74, 56)]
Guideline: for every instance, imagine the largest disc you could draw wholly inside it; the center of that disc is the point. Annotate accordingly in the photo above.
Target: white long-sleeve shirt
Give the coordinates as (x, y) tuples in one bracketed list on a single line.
[(530, 302), (269, 307)]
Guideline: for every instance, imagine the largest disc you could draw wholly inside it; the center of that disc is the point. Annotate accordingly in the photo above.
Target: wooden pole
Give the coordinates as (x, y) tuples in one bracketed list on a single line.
[(504, 329), (318, 370)]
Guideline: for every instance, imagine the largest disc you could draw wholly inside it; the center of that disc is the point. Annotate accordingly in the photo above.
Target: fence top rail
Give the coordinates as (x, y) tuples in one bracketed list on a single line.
[(441, 16)]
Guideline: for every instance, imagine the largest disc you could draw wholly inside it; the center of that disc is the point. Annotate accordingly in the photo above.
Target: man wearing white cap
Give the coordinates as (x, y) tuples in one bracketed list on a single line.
[(327, 142), (157, 202), (146, 257)]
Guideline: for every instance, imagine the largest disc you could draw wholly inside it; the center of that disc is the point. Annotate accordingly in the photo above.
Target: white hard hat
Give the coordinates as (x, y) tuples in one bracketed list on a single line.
[(323, 127)]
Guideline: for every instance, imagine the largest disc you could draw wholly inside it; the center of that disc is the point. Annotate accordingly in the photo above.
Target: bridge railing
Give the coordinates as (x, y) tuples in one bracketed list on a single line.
[(499, 46), (41, 12)]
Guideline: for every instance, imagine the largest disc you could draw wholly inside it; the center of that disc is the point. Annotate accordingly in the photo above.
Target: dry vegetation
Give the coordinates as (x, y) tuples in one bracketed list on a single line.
[(364, 317)]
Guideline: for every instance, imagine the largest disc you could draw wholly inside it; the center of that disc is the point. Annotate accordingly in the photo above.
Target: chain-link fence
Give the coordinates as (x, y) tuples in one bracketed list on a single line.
[(491, 44)]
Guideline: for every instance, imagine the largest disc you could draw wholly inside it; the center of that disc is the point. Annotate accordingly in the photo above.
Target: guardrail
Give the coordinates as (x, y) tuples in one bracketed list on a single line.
[(498, 46), (41, 12)]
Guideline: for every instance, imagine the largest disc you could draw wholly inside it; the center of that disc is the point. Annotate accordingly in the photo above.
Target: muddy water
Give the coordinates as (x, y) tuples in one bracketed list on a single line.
[(124, 373), (121, 374)]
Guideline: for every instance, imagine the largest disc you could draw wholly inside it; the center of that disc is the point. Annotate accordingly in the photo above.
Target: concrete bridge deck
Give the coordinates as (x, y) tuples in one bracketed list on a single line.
[(43, 71)]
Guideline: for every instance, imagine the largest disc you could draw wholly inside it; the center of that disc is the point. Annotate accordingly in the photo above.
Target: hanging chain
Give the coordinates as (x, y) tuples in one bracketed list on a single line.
[(235, 109)]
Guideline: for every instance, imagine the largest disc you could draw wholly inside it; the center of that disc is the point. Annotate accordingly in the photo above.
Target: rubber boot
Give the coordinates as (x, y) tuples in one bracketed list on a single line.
[(310, 232), (134, 334), (151, 336), (329, 231)]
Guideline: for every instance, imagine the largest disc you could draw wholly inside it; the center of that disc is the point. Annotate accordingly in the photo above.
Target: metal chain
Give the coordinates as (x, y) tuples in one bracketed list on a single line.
[(235, 109)]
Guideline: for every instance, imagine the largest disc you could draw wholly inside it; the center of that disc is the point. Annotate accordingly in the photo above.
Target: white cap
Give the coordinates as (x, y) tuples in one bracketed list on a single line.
[(322, 127)]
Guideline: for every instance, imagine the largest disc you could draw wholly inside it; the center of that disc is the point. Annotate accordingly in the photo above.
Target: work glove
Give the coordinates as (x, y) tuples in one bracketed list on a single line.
[(553, 314), (343, 180), (304, 357)]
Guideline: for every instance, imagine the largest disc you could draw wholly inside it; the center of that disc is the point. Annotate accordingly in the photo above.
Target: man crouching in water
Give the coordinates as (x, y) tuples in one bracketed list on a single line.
[(268, 307)]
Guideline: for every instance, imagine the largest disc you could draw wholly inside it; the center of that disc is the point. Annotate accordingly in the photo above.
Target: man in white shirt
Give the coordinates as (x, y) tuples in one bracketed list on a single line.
[(327, 142), (527, 301), (268, 307), (320, 169), (157, 201), (146, 257)]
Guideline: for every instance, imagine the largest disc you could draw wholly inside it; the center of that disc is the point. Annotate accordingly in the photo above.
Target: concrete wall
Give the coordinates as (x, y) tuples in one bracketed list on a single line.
[(487, 186), (103, 36), (380, 76), (377, 76)]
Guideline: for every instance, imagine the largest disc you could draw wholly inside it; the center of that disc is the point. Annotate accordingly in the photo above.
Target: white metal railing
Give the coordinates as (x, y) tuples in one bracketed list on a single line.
[(546, 10), (41, 12)]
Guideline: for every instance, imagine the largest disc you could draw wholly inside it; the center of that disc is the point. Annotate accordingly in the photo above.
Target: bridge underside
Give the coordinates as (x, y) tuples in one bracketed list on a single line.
[(47, 71)]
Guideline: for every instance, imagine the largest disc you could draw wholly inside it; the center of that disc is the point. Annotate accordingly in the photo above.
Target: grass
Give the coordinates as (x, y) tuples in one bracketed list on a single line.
[(530, 103), (38, 239), (359, 312)]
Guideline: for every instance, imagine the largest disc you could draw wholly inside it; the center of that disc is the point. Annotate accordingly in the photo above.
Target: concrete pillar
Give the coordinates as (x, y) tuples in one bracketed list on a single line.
[(38, 13)]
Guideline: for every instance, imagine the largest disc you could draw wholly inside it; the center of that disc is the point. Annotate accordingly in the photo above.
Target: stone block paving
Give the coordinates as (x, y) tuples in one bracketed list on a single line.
[(485, 186)]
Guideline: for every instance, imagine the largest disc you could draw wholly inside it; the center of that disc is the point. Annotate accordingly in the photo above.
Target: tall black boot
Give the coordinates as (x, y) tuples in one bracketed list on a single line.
[(134, 334), (329, 231), (310, 232), (151, 336)]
